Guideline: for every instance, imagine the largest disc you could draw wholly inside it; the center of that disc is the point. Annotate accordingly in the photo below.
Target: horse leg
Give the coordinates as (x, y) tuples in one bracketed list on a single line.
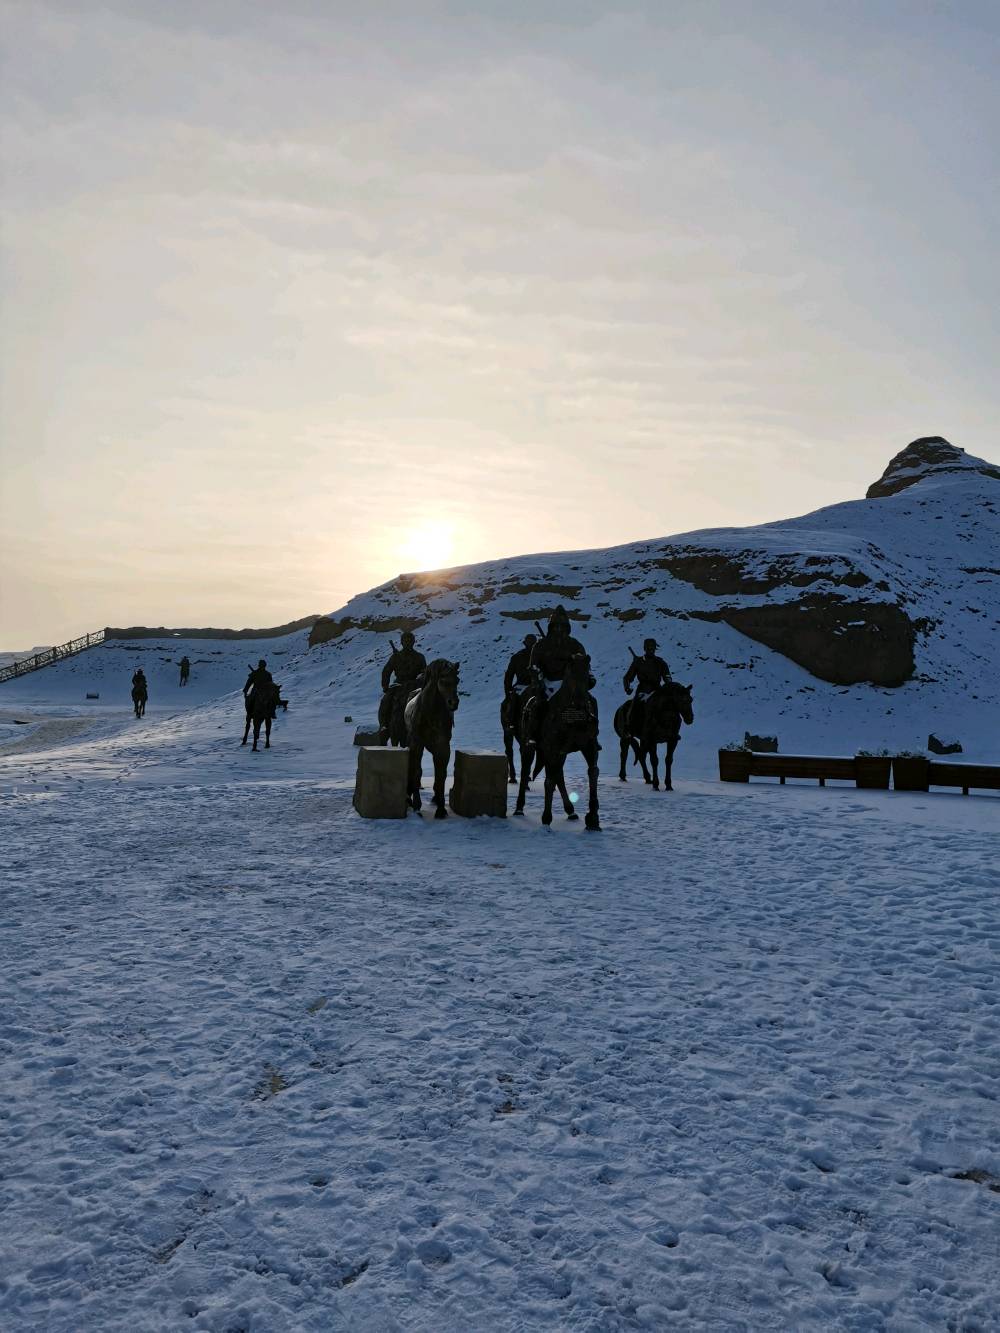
[(625, 739), (267, 733), (508, 749), (568, 805), (527, 759), (256, 733), (246, 729), (592, 822), (441, 758), (551, 771), (644, 748), (668, 764), (655, 761), (416, 755)]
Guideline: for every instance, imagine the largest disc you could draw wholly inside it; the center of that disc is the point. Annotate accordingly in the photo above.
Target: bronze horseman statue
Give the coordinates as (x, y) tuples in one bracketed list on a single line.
[(408, 666), (653, 717), (517, 682), (559, 718)]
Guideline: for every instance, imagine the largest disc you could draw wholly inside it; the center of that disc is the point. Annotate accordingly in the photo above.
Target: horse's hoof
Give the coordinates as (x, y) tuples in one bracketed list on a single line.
[(593, 827), (656, 786), (667, 787), (622, 777), (648, 781), (546, 820), (440, 813), (572, 815), (519, 812)]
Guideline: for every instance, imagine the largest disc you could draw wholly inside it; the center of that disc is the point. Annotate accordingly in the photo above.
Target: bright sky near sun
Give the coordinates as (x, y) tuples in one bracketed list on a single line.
[(301, 296)]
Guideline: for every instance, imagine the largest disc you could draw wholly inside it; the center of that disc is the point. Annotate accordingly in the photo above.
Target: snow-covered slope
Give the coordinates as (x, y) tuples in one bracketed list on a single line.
[(781, 628), (862, 625)]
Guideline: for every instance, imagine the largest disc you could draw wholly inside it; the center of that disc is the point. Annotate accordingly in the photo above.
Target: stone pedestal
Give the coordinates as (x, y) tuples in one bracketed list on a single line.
[(367, 734), (380, 787), (480, 786)]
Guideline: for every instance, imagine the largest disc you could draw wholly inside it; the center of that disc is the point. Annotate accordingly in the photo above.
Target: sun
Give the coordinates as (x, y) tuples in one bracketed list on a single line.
[(430, 546)]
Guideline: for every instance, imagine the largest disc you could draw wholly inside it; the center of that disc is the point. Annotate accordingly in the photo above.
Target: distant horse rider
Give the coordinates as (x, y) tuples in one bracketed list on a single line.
[(140, 691), (647, 673), (550, 654), (185, 670), (408, 665)]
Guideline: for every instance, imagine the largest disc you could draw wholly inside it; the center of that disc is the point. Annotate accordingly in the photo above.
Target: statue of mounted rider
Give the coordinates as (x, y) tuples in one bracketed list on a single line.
[(402, 676), (558, 717), (518, 680), (140, 692), (261, 695), (653, 717)]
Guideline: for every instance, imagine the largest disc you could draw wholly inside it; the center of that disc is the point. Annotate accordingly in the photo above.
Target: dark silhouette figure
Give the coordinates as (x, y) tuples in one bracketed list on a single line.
[(665, 709), (567, 724), (140, 692), (550, 654), (262, 704), (185, 670), (429, 718), (259, 678), (408, 666), (517, 682), (647, 673)]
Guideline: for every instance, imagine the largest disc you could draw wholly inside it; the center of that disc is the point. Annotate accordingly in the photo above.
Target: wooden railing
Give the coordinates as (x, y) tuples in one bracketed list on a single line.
[(39, 660)]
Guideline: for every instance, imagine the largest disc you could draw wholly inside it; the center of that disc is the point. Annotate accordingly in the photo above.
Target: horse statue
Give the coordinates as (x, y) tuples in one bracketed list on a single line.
[(429, 718), (665, 709), (140, 694), (568, 726), (261, 702)]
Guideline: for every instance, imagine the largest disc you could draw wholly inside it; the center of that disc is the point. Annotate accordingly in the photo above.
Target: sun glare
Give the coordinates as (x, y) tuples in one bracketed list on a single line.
[(431, 546)]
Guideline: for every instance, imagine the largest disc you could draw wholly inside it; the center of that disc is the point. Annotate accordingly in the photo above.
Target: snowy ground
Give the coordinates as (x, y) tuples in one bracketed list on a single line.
[(731, 1064)]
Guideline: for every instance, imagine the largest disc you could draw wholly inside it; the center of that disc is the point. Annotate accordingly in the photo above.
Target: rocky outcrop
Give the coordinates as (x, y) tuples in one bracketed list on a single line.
[(750, 572), (161, 632), (326, 629), (931, 455), (839, 641)]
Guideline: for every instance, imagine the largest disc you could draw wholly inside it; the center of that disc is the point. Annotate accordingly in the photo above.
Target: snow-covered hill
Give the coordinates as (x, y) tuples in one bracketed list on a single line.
[(864, 625)]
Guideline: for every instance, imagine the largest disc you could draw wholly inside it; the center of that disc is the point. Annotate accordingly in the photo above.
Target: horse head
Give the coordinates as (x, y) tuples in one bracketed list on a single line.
[(576, 678), (442, 676), (682, 701)]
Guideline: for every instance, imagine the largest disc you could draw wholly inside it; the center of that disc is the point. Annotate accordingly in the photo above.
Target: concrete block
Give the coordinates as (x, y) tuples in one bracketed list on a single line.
[(480, 786), (380, 786), (368, 734)]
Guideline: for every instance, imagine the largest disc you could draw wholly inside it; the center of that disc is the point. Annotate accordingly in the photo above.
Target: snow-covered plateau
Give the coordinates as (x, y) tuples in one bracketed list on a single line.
[(732, 1064)]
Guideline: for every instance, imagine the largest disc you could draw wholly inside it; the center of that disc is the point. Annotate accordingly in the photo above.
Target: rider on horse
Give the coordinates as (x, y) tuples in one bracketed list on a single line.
[(139, 679), (648, 673), (550, 654), (408, 666), (518, 678), (185, 665), (259, 675)]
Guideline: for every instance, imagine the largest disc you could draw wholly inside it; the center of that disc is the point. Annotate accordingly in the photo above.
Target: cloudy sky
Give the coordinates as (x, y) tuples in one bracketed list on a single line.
[(300, 295)]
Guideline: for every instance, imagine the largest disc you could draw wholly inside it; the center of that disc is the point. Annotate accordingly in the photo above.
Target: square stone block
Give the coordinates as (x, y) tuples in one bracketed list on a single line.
[(380, 786), (480, 786), (367, 734)]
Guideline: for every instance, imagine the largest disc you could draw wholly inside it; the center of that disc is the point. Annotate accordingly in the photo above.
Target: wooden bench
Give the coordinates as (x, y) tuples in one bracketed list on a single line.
[(742, 765), (964, 776)]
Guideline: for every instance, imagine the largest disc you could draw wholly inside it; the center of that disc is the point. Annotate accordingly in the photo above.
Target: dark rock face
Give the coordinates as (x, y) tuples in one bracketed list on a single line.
[(839, 641), (729, 574), (326, 629), (931, 454)]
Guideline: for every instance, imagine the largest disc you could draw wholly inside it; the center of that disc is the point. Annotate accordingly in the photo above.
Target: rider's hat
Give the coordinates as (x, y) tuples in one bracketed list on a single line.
[(559, 617), (650, 643), (529, 639), (261, 663), (407, 635)]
